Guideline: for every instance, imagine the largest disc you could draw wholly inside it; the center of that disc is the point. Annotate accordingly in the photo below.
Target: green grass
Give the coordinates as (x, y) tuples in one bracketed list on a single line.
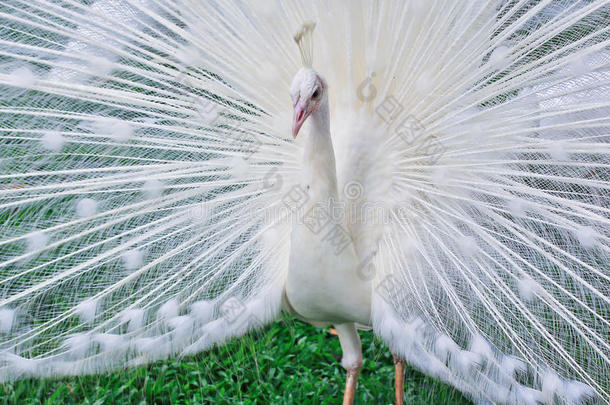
[(286, 363)]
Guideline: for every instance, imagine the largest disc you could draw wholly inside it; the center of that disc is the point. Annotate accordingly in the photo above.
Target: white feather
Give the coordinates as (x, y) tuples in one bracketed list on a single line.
[(528, 288), (53, 141), (168, 310), (153, 188), (215, 332), (586, 236), (7, 320), (109, 342), (517, 207), (445, 346), (499, 56), (529, 396), (37, 241), (86, 207), (202, 311), (22, 365), (87, 310), (100, 66), (511, 365), (22, 77), (150, 345), (552, 385), (119, 130), (466, 361), (578, 392), (133, 259), (182, 329), (78, 345), (481, 346), (134, 318), (239, 167)]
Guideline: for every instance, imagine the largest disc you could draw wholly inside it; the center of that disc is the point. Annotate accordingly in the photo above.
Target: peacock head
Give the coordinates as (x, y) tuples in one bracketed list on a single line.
[(308, 93)]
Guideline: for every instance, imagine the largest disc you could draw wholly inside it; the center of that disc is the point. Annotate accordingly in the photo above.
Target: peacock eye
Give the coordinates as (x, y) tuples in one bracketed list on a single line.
[(316, 93)]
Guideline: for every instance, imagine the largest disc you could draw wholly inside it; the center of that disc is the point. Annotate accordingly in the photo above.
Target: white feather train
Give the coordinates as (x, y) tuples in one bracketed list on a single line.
[(147, 174)]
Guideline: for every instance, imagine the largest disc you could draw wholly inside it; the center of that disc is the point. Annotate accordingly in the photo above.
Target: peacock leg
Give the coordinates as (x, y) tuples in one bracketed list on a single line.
[(352, 358), (399, 379)]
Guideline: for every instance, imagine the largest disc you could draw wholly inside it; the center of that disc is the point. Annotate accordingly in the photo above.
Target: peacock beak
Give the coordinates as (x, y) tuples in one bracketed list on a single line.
[(300, 115)]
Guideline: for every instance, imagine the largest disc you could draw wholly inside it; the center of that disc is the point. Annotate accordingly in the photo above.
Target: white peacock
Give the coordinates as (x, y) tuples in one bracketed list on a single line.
[(448, 187)]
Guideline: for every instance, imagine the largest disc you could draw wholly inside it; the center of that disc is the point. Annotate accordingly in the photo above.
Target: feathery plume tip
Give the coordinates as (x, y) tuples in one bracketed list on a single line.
[(304, 39)]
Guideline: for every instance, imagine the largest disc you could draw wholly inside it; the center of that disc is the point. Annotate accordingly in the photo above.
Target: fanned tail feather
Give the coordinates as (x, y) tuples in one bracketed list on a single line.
[(146, 162)]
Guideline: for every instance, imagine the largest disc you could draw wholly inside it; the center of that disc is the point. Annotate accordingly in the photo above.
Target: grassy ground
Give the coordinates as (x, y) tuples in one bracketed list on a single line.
[(286, 363)]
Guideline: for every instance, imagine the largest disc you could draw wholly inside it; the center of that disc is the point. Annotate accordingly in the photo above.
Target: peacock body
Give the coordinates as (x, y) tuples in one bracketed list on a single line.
[(153, 201)]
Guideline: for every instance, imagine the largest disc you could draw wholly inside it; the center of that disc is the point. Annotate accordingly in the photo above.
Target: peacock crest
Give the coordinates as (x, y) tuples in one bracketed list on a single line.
[(304, 40)]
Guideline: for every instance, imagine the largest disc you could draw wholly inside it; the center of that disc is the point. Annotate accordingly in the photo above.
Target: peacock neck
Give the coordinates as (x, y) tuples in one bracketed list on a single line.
[(320, 175)]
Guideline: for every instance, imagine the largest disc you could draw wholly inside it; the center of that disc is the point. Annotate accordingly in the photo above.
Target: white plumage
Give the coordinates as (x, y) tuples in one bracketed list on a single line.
[(448, 188)]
